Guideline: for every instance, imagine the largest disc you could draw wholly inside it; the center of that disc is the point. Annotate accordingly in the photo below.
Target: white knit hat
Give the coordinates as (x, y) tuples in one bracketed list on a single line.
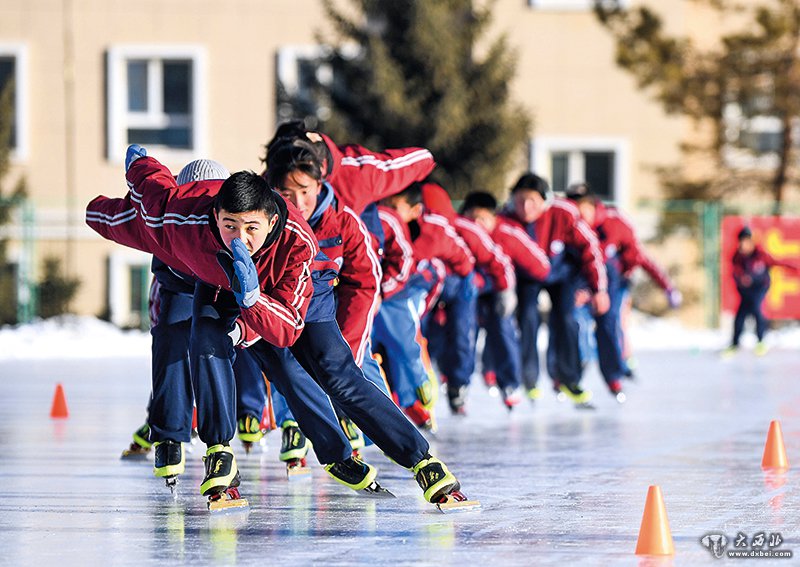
[(200, 170)]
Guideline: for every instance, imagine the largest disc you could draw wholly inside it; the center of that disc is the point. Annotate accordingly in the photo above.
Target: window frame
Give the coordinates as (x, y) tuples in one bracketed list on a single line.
[(543, 148), (119, 118), (19, 52)]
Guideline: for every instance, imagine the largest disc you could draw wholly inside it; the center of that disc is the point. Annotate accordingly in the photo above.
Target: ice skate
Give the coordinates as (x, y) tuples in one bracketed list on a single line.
[(294, 448), (580, 397), (760, 349), (729, 352), (440, 486), (533, 394), (512, 396), (169, 462), (420, 416), (250, 432), (352, 432), (222, 480), (140, 447), (457, 398), (615, 387), (359, 476)]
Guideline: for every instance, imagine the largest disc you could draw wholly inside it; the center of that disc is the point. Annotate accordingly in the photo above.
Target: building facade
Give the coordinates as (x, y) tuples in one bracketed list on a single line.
[(197, 78)]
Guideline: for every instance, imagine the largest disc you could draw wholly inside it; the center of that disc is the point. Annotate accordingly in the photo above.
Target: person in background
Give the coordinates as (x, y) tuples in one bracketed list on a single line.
[(751, 265)]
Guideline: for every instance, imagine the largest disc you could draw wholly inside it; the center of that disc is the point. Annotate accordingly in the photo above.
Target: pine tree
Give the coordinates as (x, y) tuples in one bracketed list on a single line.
[(751, 76), (8, 202), (416, 80)]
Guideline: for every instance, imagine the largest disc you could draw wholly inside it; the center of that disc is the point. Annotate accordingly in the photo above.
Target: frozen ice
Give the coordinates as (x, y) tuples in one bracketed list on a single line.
[(558, 485)]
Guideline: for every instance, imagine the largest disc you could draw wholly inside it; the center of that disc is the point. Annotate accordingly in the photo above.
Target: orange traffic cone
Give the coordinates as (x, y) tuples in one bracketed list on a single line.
[(59, 407), (194, 417), (654, 535), (774, 458)]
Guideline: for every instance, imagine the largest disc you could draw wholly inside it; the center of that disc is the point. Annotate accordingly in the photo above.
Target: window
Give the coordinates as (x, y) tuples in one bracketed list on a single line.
[(156, 97), (128, 288), (603, 163), (301, 70), (753, 137), (13, 68)]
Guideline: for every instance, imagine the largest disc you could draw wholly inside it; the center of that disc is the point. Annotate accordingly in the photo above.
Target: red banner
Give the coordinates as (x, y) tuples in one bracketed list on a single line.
[(780, 237)]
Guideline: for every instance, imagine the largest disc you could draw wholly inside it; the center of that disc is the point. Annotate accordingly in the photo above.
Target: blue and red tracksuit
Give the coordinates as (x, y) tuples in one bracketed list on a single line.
[(501, 353), (751, 274), (435, 246), (573, 250), (451, 329), (344, 238), (174, 224), (622, 252)]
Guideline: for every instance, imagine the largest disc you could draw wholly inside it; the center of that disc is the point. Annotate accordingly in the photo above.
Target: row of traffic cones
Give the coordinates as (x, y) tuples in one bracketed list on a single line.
[(655, 537)]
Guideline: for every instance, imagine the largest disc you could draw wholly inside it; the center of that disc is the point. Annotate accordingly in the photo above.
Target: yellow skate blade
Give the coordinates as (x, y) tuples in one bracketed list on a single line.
[(225, 505), (298, 473), (452, 506)]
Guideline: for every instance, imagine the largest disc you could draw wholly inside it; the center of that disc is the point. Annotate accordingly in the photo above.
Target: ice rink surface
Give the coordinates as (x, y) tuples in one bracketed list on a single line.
[(559, 486)]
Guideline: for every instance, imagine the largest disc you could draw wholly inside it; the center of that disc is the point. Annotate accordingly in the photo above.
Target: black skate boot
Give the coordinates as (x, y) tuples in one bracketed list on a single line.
[(294, 448), (457, 398), (250, 432), (140, 447), (358, 475), (169, 462), (221, 483), (440, 486)]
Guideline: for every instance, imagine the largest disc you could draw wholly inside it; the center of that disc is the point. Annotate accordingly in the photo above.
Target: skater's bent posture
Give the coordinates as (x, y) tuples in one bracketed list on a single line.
[(253, 258), (751, 265)]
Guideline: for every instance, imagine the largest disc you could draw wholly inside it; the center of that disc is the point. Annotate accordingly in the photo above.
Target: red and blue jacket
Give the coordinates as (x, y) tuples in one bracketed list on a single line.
[(397, 261), (528, 258), (345, 240), (568, 241), (751, 271), (493, 268), (620, 246), (176, 224)]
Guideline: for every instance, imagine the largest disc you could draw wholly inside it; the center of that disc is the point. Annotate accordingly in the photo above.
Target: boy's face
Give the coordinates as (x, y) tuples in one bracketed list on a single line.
[(746, 245), (302, 191), (252, 227), (406, 212), (528, 205), (483, 217), (587, 210)]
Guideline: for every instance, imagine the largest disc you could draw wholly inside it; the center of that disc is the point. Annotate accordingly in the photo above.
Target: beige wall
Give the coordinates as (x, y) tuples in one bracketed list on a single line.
[(566, 77)]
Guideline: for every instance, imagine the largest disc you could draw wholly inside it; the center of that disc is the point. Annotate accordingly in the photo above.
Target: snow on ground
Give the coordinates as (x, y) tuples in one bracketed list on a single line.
[(75, 337)]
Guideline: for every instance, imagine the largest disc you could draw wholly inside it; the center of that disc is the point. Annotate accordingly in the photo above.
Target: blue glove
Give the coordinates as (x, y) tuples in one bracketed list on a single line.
[(674, 298), (245, 276), (134, 152)]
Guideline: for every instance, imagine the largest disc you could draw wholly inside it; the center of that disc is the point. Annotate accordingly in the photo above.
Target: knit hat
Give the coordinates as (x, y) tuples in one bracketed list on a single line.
[(201, 170)]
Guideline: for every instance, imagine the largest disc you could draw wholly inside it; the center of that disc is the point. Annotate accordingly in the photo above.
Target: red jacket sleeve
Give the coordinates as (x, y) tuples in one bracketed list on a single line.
[(358, 290), (398, 254), (523, 251), (580, 236), (361, 176), (489, 258), (445, 244)]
